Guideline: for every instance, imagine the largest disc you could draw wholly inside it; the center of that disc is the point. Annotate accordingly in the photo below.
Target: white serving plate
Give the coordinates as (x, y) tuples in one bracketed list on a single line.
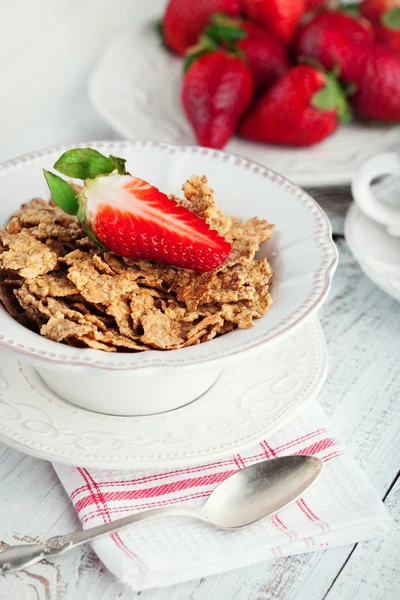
[(135, 87), (377, 252), (249, 401), (301, 252)]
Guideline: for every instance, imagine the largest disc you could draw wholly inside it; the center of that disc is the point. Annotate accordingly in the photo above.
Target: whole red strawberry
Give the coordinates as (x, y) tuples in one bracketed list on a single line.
[(302, 108), (264, 54), (340, 41), (385, 15), (217, 88), (330, 38), (280, 17), (377, 85), (132, 218), (184, 20)]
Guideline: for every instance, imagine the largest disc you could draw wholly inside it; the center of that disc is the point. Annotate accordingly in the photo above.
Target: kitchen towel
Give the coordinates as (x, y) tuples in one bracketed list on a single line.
[(340, 508)]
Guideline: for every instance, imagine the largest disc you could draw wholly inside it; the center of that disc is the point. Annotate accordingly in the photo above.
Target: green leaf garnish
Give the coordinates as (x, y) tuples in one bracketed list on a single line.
[(62, 193), (331, 96), (391, 18), (119, 164), (84, 163), (81, 163)]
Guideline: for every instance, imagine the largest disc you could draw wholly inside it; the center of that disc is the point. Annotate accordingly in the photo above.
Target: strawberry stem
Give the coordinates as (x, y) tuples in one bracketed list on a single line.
[(204, 45), (119, 164)]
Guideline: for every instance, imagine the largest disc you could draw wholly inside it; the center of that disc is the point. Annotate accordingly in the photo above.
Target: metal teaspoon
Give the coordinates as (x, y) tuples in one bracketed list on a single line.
[(256, 492)]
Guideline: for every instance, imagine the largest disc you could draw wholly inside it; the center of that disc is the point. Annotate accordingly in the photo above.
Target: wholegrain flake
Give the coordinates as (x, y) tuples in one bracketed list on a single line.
[(27, 257), (51, 284), (54, 280), (59, 329)]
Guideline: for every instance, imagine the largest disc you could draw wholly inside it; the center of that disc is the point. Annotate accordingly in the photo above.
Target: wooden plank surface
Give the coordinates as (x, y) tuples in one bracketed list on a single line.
[(373, 569), (362, 396)]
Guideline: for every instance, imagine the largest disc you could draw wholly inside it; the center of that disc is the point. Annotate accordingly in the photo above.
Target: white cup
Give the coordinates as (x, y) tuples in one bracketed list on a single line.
[(387, 163)]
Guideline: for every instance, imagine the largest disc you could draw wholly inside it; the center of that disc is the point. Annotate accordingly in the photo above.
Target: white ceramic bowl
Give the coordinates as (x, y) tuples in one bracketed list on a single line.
[(301, 252)]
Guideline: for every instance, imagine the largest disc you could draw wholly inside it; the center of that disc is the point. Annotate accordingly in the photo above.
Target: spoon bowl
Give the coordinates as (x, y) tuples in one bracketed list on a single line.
[(260, 490)]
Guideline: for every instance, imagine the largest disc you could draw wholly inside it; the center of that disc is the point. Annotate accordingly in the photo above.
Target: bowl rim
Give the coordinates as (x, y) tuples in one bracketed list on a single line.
[(174, 360)]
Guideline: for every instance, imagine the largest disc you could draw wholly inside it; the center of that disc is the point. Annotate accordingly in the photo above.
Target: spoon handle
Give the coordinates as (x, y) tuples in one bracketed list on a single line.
[(15, 558)]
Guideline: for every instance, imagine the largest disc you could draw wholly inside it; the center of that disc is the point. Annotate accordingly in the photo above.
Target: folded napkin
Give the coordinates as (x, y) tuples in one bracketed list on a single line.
[(340, 508)]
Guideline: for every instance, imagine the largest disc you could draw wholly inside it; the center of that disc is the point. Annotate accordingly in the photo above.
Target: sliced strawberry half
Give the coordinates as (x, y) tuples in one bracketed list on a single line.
[(134, 219)]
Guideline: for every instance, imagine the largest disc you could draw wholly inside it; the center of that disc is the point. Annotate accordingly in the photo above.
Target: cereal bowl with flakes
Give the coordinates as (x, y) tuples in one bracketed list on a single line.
[(151, 268)]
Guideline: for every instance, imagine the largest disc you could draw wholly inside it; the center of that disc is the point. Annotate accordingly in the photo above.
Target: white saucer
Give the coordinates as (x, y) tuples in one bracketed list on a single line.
[(249, 401), (135, 87), (377, 253)]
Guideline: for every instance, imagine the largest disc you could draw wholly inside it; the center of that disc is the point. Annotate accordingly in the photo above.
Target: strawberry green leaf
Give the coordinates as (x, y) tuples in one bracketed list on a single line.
[(189, 60), (352, 9), (349, 88), (62, 193), (82, 219), (305, 60), (84, 163), (159, 30), (324, 99), (204, 45), (391, 18), (158, 27), (119, 164), (331, 97), (222, 19), (234, 50), (224, 29), (225, 33)]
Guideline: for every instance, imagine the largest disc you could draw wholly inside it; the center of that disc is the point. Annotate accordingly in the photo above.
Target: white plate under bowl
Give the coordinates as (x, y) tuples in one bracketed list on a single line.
[(135, 87), (249, 401), (377, 252), (301, 252)]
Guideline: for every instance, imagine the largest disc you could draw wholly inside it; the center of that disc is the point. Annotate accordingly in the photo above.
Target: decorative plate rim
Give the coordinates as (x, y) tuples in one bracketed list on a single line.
[(156, 361)]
